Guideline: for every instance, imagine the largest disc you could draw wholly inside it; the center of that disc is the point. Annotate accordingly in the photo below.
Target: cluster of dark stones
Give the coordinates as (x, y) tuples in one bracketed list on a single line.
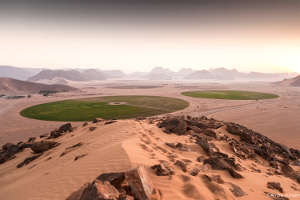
[(252, 143), (249, 145), (9, 150)]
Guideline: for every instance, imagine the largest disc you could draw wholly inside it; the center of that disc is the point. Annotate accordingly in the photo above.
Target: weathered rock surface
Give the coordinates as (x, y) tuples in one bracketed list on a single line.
[(40, 147), (130, 185)]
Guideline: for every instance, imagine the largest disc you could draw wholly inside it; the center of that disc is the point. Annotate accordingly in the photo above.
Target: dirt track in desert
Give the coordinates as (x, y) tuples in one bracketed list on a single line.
[(275, 118)]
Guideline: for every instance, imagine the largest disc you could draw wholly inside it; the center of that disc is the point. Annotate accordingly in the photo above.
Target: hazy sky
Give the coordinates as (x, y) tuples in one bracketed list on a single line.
[(138, 35)]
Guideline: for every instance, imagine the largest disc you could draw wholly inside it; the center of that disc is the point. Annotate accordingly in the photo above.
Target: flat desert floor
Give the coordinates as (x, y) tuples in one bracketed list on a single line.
[(276, 118)]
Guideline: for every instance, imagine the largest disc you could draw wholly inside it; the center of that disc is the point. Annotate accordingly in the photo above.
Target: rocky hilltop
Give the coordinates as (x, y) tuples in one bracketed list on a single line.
[(156, 158)]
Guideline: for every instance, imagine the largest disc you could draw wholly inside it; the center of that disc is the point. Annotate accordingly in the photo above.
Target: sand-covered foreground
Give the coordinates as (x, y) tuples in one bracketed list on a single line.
[(125, 144)]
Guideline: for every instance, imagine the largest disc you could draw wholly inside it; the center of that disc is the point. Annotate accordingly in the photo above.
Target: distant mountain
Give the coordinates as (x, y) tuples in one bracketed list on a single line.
[(113, 74), (233, 74), (72, 75), (18, 73), (14, 86), (160, 73), (294, 82)]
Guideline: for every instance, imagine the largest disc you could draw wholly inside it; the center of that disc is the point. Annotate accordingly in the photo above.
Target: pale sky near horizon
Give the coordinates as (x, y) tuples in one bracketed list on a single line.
[(139, 36)]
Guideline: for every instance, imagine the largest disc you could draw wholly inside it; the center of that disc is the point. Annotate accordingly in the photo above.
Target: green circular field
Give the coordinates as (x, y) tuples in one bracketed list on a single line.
[(107, 107), (230, 94)]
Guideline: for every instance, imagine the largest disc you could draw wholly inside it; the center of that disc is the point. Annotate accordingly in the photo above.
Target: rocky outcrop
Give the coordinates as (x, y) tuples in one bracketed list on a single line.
[(130, 185)]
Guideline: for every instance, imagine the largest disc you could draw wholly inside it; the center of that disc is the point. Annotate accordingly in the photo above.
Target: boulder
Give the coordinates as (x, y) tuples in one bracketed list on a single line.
[(275, 186), (40, 147), (130, 185)]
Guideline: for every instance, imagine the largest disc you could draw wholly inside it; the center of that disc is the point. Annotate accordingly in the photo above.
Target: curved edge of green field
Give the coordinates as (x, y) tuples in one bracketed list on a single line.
[(86, 109), (230, 95)]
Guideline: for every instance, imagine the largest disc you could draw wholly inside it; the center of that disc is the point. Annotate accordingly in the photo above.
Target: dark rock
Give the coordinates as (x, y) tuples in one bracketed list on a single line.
[(96, 120), (178, 146), (39, 147), (276, 196), (195, 172), (162, 170), (275, 186), (217, 179), (11, 148), (236, 190), (216, 189), (80, 156), (31, 139), (110, 122), (92, 128), (44, 135), (85, 124), (134, 184), (223, 164), (181, 165), (140, 184), (8, 152), (174, 125), (210, 133), (96, 190), (28, 160), (61, 130)]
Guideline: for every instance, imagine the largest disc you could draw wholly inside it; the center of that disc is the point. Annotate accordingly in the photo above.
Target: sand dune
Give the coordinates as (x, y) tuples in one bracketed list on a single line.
[(124, 145)]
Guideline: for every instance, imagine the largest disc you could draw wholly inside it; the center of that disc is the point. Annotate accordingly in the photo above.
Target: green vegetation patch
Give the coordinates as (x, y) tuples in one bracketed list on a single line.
[(230, 94), (108, 107)]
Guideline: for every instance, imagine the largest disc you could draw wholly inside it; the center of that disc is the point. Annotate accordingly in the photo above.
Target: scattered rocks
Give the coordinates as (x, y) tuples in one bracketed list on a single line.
[(39, 147), (275, 186), (28, 160), (9, 150), (162, 170)]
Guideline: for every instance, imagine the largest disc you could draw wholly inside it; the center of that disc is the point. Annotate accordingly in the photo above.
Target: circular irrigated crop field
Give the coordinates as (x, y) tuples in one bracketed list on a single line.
[(230, 94), (107, 107)]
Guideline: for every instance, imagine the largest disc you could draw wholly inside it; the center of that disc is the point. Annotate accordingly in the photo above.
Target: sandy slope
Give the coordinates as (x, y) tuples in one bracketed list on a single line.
[(121, 146)]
